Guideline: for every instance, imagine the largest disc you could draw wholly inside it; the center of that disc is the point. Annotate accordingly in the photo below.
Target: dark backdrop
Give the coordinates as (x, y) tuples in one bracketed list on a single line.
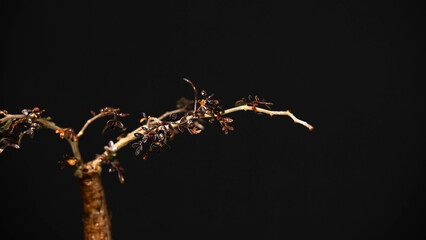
[(353, 70)]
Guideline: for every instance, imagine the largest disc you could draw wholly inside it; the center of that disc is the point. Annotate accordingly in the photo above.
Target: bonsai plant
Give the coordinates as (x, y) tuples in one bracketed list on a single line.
[(153, 135)]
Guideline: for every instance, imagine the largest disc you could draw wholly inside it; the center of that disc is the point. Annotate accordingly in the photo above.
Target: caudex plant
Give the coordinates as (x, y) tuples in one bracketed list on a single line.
[(153, 135)]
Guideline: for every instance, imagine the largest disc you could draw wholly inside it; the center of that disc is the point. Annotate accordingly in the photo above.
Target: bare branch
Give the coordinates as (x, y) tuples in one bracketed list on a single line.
[(99, 115), (11, 116), (195, 92), (73, 144), (271, 113)]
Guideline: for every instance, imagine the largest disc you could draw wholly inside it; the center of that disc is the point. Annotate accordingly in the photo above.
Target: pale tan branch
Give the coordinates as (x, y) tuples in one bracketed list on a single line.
[(269, 112), (73, 144), (131, 136), (48, 124), (11, 116), (81, 132)]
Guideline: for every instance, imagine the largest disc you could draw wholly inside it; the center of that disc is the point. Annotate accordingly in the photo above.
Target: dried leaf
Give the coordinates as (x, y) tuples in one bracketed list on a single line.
[(120, 177), (138, 135), (71, 162)]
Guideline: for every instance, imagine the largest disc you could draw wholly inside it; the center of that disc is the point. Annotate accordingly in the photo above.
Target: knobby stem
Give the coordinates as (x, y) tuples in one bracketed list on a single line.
[(96, 218)]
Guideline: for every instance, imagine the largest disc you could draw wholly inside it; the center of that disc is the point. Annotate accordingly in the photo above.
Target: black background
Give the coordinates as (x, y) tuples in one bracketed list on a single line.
[(353, 70)]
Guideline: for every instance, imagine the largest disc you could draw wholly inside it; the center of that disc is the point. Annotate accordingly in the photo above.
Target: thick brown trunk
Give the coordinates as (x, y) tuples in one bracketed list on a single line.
[(96, 220)]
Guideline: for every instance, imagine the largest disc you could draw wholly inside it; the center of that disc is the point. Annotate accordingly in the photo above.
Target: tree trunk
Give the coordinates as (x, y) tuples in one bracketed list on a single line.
[(96, 220)]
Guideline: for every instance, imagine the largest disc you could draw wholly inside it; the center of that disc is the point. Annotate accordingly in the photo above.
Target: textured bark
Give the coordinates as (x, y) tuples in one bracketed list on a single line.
[(96, 220)]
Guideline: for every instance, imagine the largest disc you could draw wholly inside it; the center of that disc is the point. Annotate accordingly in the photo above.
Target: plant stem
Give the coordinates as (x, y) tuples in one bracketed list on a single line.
[(89, 122), (271, 113), (73, 144), (96, 219)]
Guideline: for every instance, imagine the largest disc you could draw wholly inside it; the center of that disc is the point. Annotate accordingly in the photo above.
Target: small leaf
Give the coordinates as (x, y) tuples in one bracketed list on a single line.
[(240, 103), (120, 177), (173, 117), (138, 135), (61, 164), (14, 145), (181, 129), (71, 162), (123, 114), (135, 145), (138, 150), (166, 147), (119, 124), (183, 119), (110, 123), (145, 138), (227, 119)]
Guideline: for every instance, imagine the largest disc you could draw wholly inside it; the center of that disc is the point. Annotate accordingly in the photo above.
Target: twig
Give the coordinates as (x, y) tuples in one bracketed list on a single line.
[(81, 132), (271, 113), (195, 92), (73, 144), (11, 116)]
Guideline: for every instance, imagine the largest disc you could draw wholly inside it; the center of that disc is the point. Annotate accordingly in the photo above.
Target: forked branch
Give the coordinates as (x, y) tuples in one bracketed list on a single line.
[(107, 111), (31, 120)]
